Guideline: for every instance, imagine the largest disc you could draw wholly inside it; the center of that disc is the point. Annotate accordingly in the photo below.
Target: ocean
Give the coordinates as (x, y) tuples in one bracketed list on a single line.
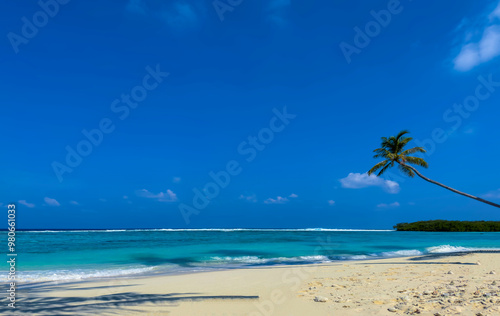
[(90, 254)]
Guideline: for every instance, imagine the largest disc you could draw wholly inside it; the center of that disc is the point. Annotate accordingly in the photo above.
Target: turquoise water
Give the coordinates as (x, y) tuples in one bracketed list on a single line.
[(73, 255)]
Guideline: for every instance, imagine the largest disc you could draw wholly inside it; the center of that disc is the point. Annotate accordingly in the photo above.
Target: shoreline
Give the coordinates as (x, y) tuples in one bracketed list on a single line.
[(162, 273), (390, 286)]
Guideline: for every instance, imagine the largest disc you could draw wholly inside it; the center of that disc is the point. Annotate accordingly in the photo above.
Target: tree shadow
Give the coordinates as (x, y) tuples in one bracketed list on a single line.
[(431, 256), (110, 304), (427, 262)]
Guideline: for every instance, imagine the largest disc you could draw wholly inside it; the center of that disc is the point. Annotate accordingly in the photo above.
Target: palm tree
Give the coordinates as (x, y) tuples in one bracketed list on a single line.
[(393, 151)]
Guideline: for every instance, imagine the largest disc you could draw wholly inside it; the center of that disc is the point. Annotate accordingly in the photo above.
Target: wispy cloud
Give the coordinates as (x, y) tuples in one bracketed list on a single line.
[(176, 179), (281, 199), (482, 41), (74, 203), (392, 205), (249, 198), (51, 202), (126, 198), (136, 6), (469, 130), (178, 15), (277, 11), (181, 15), (167, 196), (277, 200), (331, 202), (25, 203), (492, 195), (363, 180)]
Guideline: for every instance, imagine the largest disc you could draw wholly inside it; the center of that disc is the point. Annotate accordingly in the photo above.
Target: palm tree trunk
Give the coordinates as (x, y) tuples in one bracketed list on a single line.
[(451, 189)]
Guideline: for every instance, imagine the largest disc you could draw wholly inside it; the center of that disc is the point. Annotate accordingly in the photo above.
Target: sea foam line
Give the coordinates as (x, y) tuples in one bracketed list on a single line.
[(211, 229), (76, 274)]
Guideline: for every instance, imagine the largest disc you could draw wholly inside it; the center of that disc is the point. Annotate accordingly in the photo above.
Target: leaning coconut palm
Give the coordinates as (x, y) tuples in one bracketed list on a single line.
[(394, 152)]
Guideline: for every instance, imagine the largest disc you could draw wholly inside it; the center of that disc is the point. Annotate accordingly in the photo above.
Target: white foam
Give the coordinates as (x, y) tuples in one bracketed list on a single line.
[(315, 258), (73, 275), (257, 260), (356, 257), (401, 253), (212, 229), (242, 259)]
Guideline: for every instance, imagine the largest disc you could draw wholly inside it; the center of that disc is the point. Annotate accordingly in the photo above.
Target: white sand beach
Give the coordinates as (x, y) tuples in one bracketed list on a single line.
[(456, 284)]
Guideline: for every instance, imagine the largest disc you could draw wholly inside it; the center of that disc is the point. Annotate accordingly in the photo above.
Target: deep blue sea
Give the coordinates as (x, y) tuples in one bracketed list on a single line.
[(77, 255)]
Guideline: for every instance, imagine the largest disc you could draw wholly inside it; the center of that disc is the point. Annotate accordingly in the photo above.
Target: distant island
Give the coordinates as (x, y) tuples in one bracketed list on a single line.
[(450, 226)]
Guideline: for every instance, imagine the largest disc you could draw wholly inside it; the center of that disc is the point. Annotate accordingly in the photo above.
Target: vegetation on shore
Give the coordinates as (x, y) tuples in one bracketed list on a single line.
[(450, 226)]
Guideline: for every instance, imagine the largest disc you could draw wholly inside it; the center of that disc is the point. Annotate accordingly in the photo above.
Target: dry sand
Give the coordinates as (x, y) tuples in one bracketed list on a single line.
[(427, 285)]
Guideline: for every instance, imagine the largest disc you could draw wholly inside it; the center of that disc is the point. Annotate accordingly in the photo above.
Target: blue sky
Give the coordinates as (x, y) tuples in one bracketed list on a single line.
[(283, 101)]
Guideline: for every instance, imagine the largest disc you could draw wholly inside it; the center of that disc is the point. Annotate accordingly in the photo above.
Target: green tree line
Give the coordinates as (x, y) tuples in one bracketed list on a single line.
[(450, 226)]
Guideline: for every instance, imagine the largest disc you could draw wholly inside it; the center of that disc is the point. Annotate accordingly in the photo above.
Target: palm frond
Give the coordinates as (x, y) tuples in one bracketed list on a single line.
[(413, 150), (407, 171), (382, 152), (417, 161), (403, 142), (377, 167), (402, 133), (387, 166)]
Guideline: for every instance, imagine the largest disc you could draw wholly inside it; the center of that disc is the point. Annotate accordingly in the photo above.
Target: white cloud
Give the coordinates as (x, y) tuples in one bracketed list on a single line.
[(23, 202), (359, 181), (167, 196), (331, 202), (281, 199), (51, 202), (383, 205), (125, 197), (277, 200), (492, 195), (74, 202), (249, 198), (482, 42), (176, 179)]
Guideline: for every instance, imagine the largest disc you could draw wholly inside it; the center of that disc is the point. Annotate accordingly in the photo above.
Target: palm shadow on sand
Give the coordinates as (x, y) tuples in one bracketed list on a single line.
[(104, 304)]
